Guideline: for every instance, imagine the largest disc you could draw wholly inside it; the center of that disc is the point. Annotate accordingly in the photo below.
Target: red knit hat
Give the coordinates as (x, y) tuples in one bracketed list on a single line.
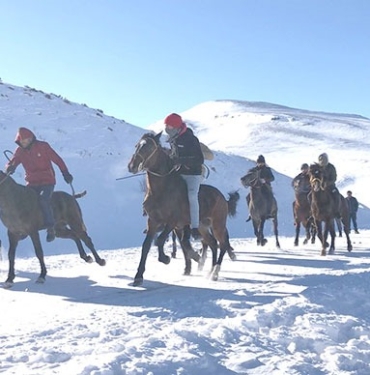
[(174, 120)]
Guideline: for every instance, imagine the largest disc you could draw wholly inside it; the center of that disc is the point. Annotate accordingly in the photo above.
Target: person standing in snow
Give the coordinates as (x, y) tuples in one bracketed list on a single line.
[(37, 157), (186, 152), (353, 208)]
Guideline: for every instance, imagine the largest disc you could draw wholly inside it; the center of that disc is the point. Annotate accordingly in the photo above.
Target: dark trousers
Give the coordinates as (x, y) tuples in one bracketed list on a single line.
[(45, 192), (353, 219)]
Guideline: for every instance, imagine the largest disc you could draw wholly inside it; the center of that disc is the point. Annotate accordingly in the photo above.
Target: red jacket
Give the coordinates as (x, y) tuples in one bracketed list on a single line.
[(36, 160)]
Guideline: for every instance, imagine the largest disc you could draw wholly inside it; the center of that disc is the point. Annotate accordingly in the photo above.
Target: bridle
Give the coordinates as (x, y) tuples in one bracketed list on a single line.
[(315, 181), (144, 161)]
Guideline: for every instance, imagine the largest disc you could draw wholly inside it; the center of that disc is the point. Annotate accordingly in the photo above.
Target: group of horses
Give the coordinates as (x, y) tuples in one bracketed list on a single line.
[(167, 209)]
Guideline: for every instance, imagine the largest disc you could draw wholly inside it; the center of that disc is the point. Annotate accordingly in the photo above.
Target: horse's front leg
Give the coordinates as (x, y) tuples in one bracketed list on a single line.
[(320, 236), (263, 240), (276, 231), (297, 229), (139, 277), (13, 242), (160, 241), (331, 229), (35, 237)]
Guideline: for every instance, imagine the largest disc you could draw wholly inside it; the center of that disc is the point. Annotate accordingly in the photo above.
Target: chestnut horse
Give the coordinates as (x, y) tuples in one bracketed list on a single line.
[(167, 207), (323, 210), (302, 215)]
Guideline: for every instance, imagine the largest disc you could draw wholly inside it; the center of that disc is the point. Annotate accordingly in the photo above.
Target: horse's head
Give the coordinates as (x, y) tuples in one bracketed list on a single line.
[(145, 152), (316, 174), (251, 179)]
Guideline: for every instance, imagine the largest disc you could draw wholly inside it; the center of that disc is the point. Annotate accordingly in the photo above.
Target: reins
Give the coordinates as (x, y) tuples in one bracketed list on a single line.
[(144, 161)]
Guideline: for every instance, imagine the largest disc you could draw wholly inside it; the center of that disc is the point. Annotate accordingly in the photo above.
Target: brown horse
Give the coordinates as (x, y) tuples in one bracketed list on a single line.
[(262, 206), (21, 214), (323, 210), (302, 215), (167, 207)]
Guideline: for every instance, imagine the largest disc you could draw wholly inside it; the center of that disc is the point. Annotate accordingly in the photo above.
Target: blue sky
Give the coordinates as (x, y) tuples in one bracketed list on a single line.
[(140, 60)]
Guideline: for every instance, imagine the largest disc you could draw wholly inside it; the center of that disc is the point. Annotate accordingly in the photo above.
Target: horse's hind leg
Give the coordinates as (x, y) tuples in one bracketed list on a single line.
[(174, 245), (64, 232), (13, 242), (35, 237), (276, 232)]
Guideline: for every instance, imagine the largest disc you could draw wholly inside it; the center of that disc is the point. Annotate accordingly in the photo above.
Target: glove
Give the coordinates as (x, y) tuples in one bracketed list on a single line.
[(68, 178), (263, 181), (10, 169)]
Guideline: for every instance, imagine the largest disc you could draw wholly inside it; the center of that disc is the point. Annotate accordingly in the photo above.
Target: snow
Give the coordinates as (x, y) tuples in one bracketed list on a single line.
[(272, 311)]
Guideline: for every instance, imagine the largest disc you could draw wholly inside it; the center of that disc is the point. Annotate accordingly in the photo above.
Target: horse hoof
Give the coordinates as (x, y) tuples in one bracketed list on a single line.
[(349, 248), (264, 242), (7, 284), (88, 259), (323, 253), (40, 280), (138, 281), (102, 262), (166, 259), (232, 256)]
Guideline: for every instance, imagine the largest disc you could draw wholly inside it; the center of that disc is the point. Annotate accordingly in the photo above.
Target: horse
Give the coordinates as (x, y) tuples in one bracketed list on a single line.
[(302, 215), (324, 211), (21, 214), (167, 208), (262, 206)]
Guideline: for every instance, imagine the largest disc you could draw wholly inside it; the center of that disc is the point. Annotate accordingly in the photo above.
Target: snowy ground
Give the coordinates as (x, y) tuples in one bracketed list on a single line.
[(287, 311)]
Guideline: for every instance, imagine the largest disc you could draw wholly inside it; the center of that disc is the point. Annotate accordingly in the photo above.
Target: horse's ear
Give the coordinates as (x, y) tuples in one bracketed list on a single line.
[(157, 137)]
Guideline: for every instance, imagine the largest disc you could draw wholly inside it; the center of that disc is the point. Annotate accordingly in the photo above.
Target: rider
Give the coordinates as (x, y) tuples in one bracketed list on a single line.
[(330, 176), (301, 182), (186, 152), (265, 176), (36, 157)]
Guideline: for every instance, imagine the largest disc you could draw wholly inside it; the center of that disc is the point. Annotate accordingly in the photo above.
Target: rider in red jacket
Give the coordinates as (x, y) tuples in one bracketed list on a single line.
[(37, 158)]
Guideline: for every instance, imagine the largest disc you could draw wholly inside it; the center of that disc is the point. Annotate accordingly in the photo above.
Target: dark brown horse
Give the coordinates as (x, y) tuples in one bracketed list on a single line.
[(167, 207), (22, 216), (302, 215), (262, 206), (323, 210)]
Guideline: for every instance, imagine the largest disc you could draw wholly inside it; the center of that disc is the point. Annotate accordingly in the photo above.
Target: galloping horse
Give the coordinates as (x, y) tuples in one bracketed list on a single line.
[(167, 207), (302, 215), (262, 206), (21, 214), (323, 210)]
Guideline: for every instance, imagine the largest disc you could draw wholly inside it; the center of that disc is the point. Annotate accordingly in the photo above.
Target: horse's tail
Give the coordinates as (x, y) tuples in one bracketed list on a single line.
[(232, 203), (80, 195)]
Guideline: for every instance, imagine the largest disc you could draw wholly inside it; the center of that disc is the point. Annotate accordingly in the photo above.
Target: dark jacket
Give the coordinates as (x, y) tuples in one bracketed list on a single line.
[(301, 183), (37, 160), (264, 172), (186, 151), (352, 204), (330, 175)]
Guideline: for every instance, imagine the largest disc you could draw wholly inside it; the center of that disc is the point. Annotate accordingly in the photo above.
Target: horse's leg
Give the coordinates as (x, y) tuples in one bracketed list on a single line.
[(346, 230), (139, 277), (35, 237), (208, 240), (160, 241), (263, 240), (13, 242), (174, 245), (331, 230), (297, 229), (276, 231), (64, 232), (203, 258), (321, 238), (256, 224)]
